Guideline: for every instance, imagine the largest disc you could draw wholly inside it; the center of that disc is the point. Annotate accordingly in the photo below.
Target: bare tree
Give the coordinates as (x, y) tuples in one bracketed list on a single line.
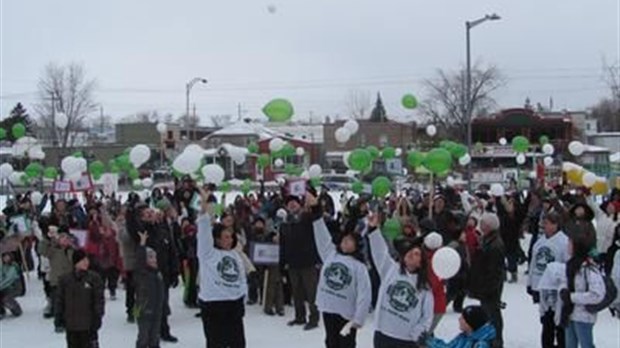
[(221, 120), (359, 103), (446, 105), (65, 88), (188, 121), (607, 110)]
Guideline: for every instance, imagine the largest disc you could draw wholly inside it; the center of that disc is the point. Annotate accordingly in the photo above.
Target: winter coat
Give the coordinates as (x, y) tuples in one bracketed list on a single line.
[(110, 256), (79, 301), (487, 268), (589, 289), (510, 226), (615, 277), (10, 279), (605, 227), (94, 242), (480, 338), (60, 259), (150, 288), (297, 247)]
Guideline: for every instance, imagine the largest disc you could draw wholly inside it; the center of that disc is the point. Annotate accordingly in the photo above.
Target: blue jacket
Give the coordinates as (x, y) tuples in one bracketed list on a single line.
[(480, 338)]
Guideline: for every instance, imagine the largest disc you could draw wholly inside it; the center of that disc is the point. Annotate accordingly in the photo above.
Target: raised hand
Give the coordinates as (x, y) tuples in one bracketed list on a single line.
[(143, 237)]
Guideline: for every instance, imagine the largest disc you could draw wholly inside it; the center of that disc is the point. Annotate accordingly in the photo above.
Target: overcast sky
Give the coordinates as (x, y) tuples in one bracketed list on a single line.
[(311, 51)]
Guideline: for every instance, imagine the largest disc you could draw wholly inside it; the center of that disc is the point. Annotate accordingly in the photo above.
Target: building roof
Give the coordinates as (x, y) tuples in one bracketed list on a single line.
[(308, 132), (592, 148), (605, 134), (246, 128), (229, 149), (519, 117)]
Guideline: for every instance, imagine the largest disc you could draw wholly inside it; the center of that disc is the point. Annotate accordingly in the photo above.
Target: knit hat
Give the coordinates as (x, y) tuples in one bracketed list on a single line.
[(475, 317), (78, 255)]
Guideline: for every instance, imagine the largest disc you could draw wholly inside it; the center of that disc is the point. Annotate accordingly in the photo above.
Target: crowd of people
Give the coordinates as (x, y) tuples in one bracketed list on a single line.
[(333, 265)]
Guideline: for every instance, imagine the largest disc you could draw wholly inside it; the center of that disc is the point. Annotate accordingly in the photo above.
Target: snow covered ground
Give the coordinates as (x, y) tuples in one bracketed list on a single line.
[(522, 328)]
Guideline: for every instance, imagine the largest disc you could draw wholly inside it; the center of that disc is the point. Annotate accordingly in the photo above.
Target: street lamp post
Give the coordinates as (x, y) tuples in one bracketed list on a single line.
[(188, 89), (468, 102)]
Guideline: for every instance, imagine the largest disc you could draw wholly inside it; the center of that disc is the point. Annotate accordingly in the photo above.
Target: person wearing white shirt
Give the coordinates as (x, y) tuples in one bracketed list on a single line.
[(344, 292), (223, 283), (404, 311)]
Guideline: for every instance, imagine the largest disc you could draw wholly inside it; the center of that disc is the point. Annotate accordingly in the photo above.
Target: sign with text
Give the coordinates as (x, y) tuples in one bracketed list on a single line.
[(265, 253)]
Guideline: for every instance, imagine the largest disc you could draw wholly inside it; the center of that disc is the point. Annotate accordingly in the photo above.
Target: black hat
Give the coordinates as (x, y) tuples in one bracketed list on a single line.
[(427, 225), (475, 317), (78, 255), (404, 244)]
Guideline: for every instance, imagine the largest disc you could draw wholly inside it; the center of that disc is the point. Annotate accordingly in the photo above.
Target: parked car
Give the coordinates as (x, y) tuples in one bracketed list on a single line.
[(338, 182)]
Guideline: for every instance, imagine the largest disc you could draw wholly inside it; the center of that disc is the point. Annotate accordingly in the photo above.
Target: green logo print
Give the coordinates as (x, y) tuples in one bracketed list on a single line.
[(228, 269), (401, 296), (337, 276)]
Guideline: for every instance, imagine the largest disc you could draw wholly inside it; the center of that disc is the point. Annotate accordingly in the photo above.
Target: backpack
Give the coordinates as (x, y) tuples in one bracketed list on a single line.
[(611, 293)]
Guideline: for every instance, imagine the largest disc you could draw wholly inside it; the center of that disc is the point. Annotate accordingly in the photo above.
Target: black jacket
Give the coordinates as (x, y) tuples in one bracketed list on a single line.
[(487, 272), (79, 301), (297, 247), (150, 288)]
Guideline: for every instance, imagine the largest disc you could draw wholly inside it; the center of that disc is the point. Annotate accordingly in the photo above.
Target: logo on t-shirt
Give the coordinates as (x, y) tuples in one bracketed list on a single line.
[(337, 276), (401, 296), (543, 257), (228, 269)]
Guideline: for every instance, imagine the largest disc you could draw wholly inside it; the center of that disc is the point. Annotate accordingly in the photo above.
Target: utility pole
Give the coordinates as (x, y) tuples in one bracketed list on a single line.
[(194, 121)]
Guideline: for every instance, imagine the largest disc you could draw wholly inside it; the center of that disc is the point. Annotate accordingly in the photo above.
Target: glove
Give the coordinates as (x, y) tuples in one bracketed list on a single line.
[(565, 296), (534, 294), (174, 282)]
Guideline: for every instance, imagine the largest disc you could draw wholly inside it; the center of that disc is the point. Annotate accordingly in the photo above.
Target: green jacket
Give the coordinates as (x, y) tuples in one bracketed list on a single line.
[(9, 275), (61, 261)]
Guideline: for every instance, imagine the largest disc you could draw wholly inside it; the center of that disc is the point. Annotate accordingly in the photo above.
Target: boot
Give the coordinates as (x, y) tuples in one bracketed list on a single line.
[(513, 277), (47, 311)]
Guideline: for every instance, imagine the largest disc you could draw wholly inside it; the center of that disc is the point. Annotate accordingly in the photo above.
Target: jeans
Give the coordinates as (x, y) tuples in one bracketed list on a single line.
[(579, 334)]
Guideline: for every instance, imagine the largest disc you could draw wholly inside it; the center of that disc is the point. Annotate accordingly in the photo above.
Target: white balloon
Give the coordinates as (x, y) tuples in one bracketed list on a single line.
[(137, 182), (187, 163), (465, 159), (305, 175), (36, 153), (6, 169), (213, 174), (16, 178), (22, 145), (497, 190), (276, 144), (280, 181), (576, 148), (532, 175), (548, 161), (61, 120), (194, 149), (278, 162), (238, 157), (139, 155), (315, 171), (352, 126), (147, 182), (433, 241), (588, 179), (398, 152), (431, 130), (548, 149), (36, 197), (446, 262), (342, 135), (300, 151), (161, 128), (81, 165), (67, 165), (520, 158), (503, 141)]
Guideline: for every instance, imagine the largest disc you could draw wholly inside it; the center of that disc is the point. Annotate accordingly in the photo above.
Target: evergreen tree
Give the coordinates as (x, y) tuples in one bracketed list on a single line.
[(378, 112), (17, 115)]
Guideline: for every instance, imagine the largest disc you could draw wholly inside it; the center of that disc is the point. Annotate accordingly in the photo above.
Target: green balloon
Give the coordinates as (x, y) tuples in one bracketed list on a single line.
[(479, 146), (78, 154), (357, 187), (458, 150), (292, 170), (520, 143), (438, 160), (543, 140), (246, 186), (18, 130), (279, 110), (374, 151), (2, 133), (225, 187), (287, 150), (388, 153), (133, 174), (392, 228), (409, 101), (360, 159), (263, 160), (253, 148), (123, 162), (415, 158), (381, 186), (33, 170), (114, 169), (96, 168), (25, 179), (50, 173)]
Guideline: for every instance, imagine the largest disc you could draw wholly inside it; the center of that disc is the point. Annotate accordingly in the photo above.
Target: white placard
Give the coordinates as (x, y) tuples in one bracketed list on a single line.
[(297, 188), (62, 186), (265, 253), (21, 224), (80, 235)]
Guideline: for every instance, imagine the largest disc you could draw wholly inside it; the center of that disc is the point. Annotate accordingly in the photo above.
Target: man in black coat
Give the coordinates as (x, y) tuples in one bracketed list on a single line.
[(488, 272), (80, 304), (298, 254)]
